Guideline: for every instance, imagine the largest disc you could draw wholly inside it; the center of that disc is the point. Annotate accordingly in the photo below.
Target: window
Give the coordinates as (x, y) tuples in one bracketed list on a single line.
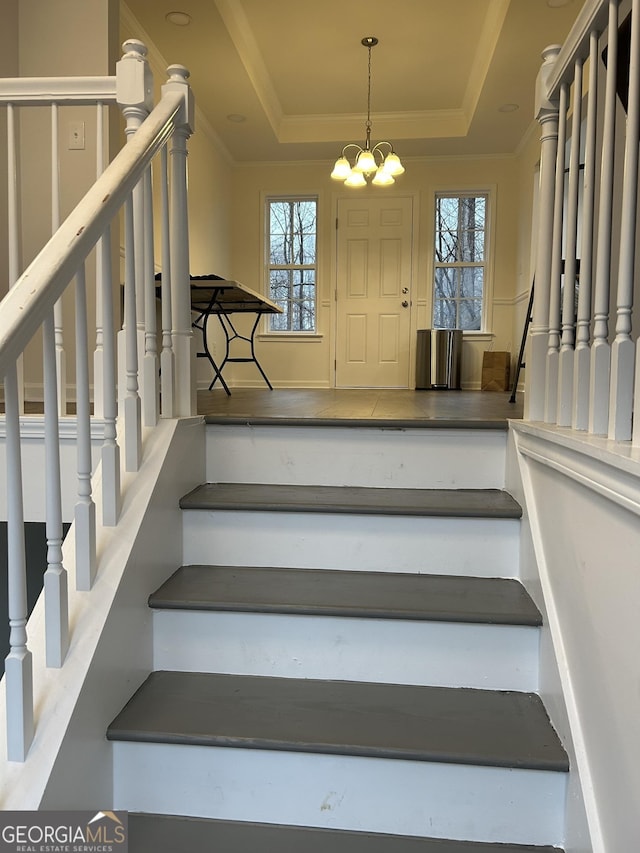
[(292, 233), (460, 261)]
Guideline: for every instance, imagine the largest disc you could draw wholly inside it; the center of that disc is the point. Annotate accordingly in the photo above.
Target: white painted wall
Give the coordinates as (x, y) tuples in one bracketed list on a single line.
[(550, 685), (33, 465), (583, 501)]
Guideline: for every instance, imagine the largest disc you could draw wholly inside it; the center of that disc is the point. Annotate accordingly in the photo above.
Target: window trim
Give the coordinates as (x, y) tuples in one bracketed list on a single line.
[(489, 192), (267, 331)]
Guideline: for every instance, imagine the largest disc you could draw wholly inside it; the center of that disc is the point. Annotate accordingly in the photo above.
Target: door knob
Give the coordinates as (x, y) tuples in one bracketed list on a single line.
[(405, 304)]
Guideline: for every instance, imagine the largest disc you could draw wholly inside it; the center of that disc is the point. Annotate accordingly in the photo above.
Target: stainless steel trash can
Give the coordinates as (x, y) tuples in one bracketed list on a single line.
[(438, 359)]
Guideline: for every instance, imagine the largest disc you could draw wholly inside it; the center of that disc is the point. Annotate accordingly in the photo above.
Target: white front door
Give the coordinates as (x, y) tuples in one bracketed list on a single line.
[(374, 292)]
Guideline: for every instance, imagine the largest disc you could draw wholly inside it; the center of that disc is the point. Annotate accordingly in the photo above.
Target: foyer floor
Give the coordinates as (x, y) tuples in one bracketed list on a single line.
[(342, 406), (339, 406)]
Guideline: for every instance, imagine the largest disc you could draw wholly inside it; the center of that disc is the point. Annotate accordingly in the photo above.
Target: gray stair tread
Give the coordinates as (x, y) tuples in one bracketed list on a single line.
[(322, 592), (150, 833), (453, 725), (465, 503)]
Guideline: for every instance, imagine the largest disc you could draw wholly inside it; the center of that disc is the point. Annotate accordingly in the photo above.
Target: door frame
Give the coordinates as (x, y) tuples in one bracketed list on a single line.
[(418, 300)]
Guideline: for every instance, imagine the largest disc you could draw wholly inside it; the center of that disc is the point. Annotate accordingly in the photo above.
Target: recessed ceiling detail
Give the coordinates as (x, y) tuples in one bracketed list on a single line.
[(445, 70)]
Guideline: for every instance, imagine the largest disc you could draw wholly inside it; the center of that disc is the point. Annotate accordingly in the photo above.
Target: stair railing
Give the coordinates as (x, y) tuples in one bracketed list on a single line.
[(124, 188), (585, 365)]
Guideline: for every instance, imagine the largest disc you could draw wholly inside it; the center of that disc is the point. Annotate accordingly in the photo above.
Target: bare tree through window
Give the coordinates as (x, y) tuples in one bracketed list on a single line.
[(292, 232), (459, 261)]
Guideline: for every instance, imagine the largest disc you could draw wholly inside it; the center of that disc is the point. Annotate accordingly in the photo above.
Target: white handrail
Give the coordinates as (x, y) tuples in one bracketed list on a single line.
[(21, 91), (593, 16), (43, 282)]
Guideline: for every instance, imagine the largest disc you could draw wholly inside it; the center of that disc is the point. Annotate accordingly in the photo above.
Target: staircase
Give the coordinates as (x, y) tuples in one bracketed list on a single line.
[(346, 660)]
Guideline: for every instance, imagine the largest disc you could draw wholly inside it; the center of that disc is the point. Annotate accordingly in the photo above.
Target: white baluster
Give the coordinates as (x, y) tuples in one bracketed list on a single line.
[(98, 355), (553, 353), (60, 356), (13, 223), (565, 376), (138, 238), (110, 453), (18, 663), (55, 577), (85, 510), (547, 115), (582, 353), (151, 393), (623, 350), (167, 361), (185, 389), (132, 407), (600, 348)]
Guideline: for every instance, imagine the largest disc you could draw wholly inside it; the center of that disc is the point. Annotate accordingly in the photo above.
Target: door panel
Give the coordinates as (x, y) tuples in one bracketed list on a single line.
[(357, 338), (389, 336), (357, 268), (390, 268), (373, 282)]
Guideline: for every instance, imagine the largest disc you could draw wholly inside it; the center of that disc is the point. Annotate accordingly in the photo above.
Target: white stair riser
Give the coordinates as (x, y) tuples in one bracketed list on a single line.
[(439, 459), (500, 657), (378, 795), (450, 546)]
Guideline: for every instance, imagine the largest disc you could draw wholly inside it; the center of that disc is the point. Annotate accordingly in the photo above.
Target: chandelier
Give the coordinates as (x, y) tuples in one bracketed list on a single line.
[(380, 161)]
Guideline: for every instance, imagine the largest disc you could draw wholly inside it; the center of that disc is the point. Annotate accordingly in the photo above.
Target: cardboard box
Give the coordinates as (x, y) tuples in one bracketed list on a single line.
[(495, 371)]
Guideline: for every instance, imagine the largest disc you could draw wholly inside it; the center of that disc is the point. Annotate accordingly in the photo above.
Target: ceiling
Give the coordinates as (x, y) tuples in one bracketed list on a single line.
[(286, 80)]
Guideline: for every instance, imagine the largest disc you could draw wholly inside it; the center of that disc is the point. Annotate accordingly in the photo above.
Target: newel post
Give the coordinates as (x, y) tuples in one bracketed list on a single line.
[(134, 86), (547, 116), (181, 333)]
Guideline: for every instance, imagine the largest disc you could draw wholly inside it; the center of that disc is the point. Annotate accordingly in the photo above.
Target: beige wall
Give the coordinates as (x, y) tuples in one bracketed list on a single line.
[(84, 37), (310, 362), (209, 169), (8, 68), (209, 176), (527, 178), (59, 38)]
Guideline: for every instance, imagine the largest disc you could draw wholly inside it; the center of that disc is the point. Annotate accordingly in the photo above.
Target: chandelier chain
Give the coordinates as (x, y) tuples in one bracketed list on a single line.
[(369, 46)]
